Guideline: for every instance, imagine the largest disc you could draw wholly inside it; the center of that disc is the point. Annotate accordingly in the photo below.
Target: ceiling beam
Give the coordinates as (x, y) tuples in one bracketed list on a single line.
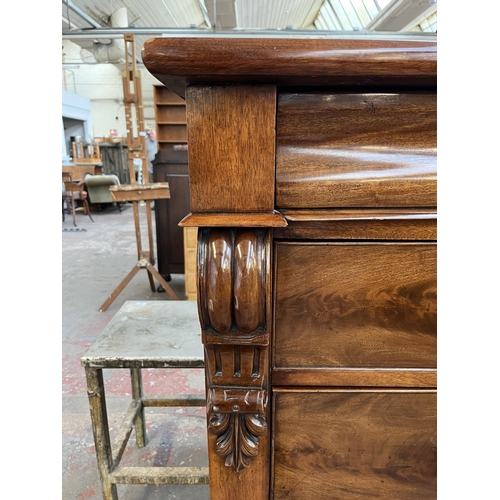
[(72, 6), (222, 14), (244, 33), (400, 14)]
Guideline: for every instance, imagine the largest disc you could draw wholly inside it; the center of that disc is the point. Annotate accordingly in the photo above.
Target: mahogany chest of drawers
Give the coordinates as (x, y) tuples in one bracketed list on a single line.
[(312, 171)]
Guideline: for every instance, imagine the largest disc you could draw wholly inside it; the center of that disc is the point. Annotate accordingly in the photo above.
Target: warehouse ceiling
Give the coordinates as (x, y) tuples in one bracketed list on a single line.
[(93, 24)]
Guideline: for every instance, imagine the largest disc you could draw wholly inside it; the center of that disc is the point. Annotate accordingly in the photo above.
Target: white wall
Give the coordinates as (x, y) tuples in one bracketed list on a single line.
[(102, 85), (76, 120)]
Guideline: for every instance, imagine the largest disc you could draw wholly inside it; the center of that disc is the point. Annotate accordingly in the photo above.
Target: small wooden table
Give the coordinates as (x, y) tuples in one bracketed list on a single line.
[(142, 334)]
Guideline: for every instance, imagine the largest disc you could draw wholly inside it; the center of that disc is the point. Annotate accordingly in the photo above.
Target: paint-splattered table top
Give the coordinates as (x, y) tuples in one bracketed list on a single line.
[(149, 334)]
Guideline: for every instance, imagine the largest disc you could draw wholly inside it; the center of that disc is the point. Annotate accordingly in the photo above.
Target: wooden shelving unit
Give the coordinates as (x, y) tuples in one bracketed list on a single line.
[(171, 134), (170, 116)]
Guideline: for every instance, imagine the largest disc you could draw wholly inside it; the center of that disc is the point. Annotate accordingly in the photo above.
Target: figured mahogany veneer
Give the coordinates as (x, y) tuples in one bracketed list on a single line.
[(368, 149), (312, 169), (387, 224), (368, 305), (355, 444)]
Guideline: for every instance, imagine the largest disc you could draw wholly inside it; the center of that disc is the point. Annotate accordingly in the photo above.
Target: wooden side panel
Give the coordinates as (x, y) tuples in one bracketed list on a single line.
[(366, 305), (356, 150), (340, 445), (231, 137)]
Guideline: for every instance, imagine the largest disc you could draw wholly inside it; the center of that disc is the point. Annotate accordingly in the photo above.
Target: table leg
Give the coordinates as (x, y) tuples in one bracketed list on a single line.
[(100, 427), (140, 423)]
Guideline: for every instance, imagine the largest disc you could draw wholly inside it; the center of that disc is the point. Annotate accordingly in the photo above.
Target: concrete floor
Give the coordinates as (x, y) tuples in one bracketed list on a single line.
[(95, 258)]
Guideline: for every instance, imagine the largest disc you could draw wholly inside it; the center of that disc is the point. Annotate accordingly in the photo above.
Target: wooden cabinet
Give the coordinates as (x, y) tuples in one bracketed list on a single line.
[(170, 116), (312, 171), (171, 166)]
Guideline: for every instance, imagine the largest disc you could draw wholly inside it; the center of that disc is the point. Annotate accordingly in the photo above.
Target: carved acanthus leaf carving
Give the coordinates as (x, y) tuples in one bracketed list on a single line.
[(237, 437), (237, 417)]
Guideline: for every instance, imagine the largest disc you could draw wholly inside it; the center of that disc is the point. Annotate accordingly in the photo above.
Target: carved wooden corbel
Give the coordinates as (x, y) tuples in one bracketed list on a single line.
[(234, 307), (237, 418)]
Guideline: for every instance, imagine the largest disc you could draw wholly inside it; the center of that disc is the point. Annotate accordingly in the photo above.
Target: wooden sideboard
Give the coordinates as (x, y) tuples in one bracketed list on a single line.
[(312, 171)]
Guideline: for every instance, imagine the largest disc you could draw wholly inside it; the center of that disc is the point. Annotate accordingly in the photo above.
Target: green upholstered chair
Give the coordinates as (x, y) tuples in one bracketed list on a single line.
[(98, 189)]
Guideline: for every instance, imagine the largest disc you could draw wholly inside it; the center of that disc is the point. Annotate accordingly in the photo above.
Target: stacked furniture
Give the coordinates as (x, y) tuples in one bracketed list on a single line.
[(312, 171)]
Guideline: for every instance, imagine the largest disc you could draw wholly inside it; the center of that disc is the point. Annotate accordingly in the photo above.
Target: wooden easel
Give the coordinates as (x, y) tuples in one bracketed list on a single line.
[(133, 192)]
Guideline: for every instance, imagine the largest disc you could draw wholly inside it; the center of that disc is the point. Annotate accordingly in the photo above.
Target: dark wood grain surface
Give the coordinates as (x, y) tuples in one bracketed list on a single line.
[(356, 150), (339, 445), (355, 305), (423, 229), (231, 148), (357, 224), (177, 62), (379, 214), (354, 377)]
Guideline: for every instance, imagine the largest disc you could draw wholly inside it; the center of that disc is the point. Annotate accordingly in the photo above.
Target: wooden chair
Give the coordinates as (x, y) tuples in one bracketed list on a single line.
[(71, 194)]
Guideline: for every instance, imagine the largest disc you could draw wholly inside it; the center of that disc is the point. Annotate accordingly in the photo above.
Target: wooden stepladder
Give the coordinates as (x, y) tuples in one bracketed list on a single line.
[(134, 192)]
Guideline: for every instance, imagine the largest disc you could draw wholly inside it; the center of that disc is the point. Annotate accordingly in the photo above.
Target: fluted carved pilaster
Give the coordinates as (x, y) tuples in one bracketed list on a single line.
[(234, 304)]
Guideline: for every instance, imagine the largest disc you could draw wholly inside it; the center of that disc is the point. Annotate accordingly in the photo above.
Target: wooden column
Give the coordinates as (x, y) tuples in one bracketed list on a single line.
[(231, 131)]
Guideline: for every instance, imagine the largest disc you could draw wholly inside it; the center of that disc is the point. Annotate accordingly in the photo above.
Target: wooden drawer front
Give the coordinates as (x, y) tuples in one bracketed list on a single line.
[(348, 445), (356, 150), (355, 305)]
